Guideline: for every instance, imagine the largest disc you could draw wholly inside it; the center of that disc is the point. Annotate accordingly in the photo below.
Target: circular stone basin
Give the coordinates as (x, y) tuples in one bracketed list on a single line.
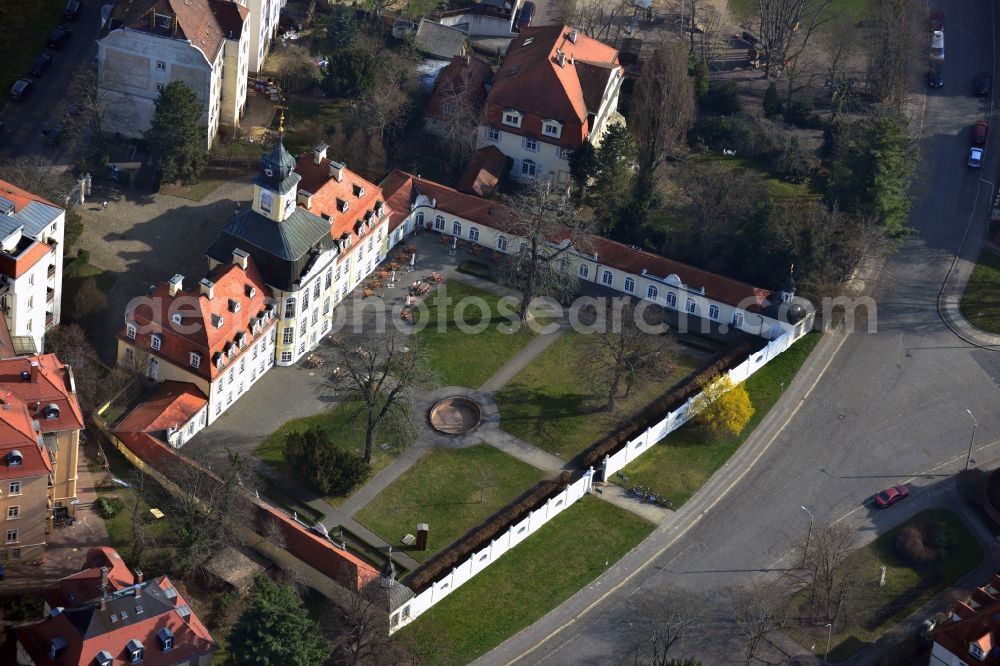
[(455, 415)]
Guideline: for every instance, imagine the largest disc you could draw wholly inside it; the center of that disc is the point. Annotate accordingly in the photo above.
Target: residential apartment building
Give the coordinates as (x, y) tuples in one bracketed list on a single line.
[(313, 246), (219, 340), (264, 18), (40, 424), (556, 90), (147, 622), (699, 297), (146, 44), (971, 634), (31, 265)]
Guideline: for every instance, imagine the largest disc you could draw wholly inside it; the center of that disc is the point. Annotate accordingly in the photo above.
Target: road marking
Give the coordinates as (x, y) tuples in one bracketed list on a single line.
[(697, 519)]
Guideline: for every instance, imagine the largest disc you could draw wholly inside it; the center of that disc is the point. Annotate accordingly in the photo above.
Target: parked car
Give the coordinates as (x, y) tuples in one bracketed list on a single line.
[(937, 45), (59, 36), (975, 157), (937, 21), (526, 16), (40, 64), (979, 132), (891, 495), (72, 11), (20, 89), (935, 75), (982, 84)]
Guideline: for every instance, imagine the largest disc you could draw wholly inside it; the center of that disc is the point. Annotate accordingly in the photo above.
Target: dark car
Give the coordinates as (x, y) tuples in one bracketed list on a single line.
[(20, 89), (41, 64), (979, 132), (72, 10), (982, 84), (935, 75), (891, 495), (59, 36), (526, 16)]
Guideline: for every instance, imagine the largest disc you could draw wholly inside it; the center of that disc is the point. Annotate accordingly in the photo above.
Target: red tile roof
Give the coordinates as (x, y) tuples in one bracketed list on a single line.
[(329, 193), (532, 81), (484, 172), (138, 614), (20, 198), (17, 433), (198, 331), (979, 626), (49, 383), (20, 261), (85, 585), (172, 405), (402, 188), (457, 78), (195, 21)]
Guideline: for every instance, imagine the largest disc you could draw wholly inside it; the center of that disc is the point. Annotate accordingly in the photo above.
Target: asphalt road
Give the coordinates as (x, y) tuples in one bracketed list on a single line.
[(42, 108), (891, 406)]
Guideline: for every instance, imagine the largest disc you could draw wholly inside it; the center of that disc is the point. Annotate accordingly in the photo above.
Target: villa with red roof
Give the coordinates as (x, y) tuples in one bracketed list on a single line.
[(699, 294), (971, 634), (556, 90), (208, 345), (31, 265), (113, 623)]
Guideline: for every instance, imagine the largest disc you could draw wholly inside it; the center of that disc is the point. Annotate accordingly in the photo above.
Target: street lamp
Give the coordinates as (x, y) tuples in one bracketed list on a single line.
[(829, 634), (805, 551), (975, 424)]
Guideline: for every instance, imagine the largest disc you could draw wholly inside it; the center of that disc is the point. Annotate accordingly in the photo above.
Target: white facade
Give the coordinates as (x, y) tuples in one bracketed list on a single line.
[(533, 158), (264, 18), (31, 296), (239, 372), (236, 59)]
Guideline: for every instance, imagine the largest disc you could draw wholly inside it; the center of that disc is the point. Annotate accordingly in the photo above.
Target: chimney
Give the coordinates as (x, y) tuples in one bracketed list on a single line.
[(34, 371), (319, 153), (176, 284), (304, 199), (240, 258), (207, 288), (337, 171), (138, 575), (572, 36)]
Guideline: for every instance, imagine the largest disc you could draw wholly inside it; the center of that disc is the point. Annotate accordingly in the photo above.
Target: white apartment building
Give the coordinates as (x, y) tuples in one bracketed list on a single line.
[(146, 44), (31, 265), (264, 18)]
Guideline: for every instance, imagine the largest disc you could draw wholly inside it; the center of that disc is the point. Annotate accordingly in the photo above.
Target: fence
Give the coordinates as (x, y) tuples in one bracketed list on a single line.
[(683, 414), (483, 558)]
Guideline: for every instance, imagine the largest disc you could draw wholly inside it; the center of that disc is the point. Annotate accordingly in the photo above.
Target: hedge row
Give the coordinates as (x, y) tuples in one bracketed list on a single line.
[(657, 410), (501, 521)]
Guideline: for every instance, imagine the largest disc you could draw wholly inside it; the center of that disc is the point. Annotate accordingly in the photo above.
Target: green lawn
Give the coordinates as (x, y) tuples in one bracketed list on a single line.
[(680, 464), (874, 609), (549, 405), (526, 583), (744, 10), (26, 42), (342, 422), (981, 300), (778, 188), (452, 490), (467, 358)]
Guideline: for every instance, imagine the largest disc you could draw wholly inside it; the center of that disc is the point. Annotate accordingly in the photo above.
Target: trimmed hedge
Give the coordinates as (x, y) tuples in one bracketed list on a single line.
[(657, 410), (501, 521)]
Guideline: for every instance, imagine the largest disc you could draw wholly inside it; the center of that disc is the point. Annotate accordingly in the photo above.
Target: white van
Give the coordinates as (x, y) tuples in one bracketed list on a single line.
[(937, 45)]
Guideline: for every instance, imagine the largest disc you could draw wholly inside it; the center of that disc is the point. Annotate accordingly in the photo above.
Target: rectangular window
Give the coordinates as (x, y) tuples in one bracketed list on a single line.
[(286, 357), (512, 118), (316, 290), (584, 270), (15, 488), (287, 335), (326, 305), (130, 331), (160, 87), (161, 66), (155, 342), (13, 512), (302, 327), (315, 317), (240, 390), (11, 536), (531, 144), (31, 279), (31, 302), (229, 398), (129, 355), (15, 553), (328, 281), (550, 128), (218, 408), (195, 360), (493, 134), (243, 364)]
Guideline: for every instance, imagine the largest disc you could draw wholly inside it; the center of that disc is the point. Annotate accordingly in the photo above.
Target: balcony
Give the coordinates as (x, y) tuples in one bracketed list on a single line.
[(49, 319), (52, 271), (50, 294)]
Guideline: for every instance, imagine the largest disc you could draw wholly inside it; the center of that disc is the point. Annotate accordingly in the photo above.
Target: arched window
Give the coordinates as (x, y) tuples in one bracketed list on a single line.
[(502, 243), (289, 307), (652, 292), (584, 271), (629, 285), (713, 312), (418, 219), (671, 300), (474, 234), (456, 228), (690, 306), (439, 223), (607, 278), (737, 319)]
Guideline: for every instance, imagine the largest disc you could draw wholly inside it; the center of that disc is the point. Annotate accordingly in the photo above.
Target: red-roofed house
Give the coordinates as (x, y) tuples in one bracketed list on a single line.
[(459, 88), (416, 201), (31, 264), (971, 634), (219, 340), (147, 44), (103, 569), (556, 90), (146, 622)]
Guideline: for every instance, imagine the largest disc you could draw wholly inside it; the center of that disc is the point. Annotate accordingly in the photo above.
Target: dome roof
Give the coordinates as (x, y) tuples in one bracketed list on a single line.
[(277, 164)]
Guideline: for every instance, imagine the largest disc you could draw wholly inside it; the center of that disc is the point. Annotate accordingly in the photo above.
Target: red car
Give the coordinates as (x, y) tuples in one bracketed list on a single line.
[(891, 495)]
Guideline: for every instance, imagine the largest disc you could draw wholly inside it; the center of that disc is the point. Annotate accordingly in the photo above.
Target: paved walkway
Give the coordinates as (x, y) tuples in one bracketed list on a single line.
[(523, 358)]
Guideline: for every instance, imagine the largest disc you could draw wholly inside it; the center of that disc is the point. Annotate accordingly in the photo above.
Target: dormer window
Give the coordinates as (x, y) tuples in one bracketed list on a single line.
[(234, 305), (230, 349), (176, 318), (14, 458), (342, 205), (359, 191), (552, 128), (104, 658), (166, 639), (976, 650), (251, 291), (130, 331), (156, 341), (220, 360), (135, 650), (512, 117), (218, 320), (194, 359), (241, 339)]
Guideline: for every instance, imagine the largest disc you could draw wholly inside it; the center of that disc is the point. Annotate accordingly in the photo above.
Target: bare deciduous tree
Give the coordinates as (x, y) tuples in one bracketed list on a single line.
[(786, 26), (827, 578), (38, 175), (622, 348), (361, 631), (536, 215), (666, 619), (140, 537), (379, 373), (603, 20), (758, 612), (896, 40), (461, 115)]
